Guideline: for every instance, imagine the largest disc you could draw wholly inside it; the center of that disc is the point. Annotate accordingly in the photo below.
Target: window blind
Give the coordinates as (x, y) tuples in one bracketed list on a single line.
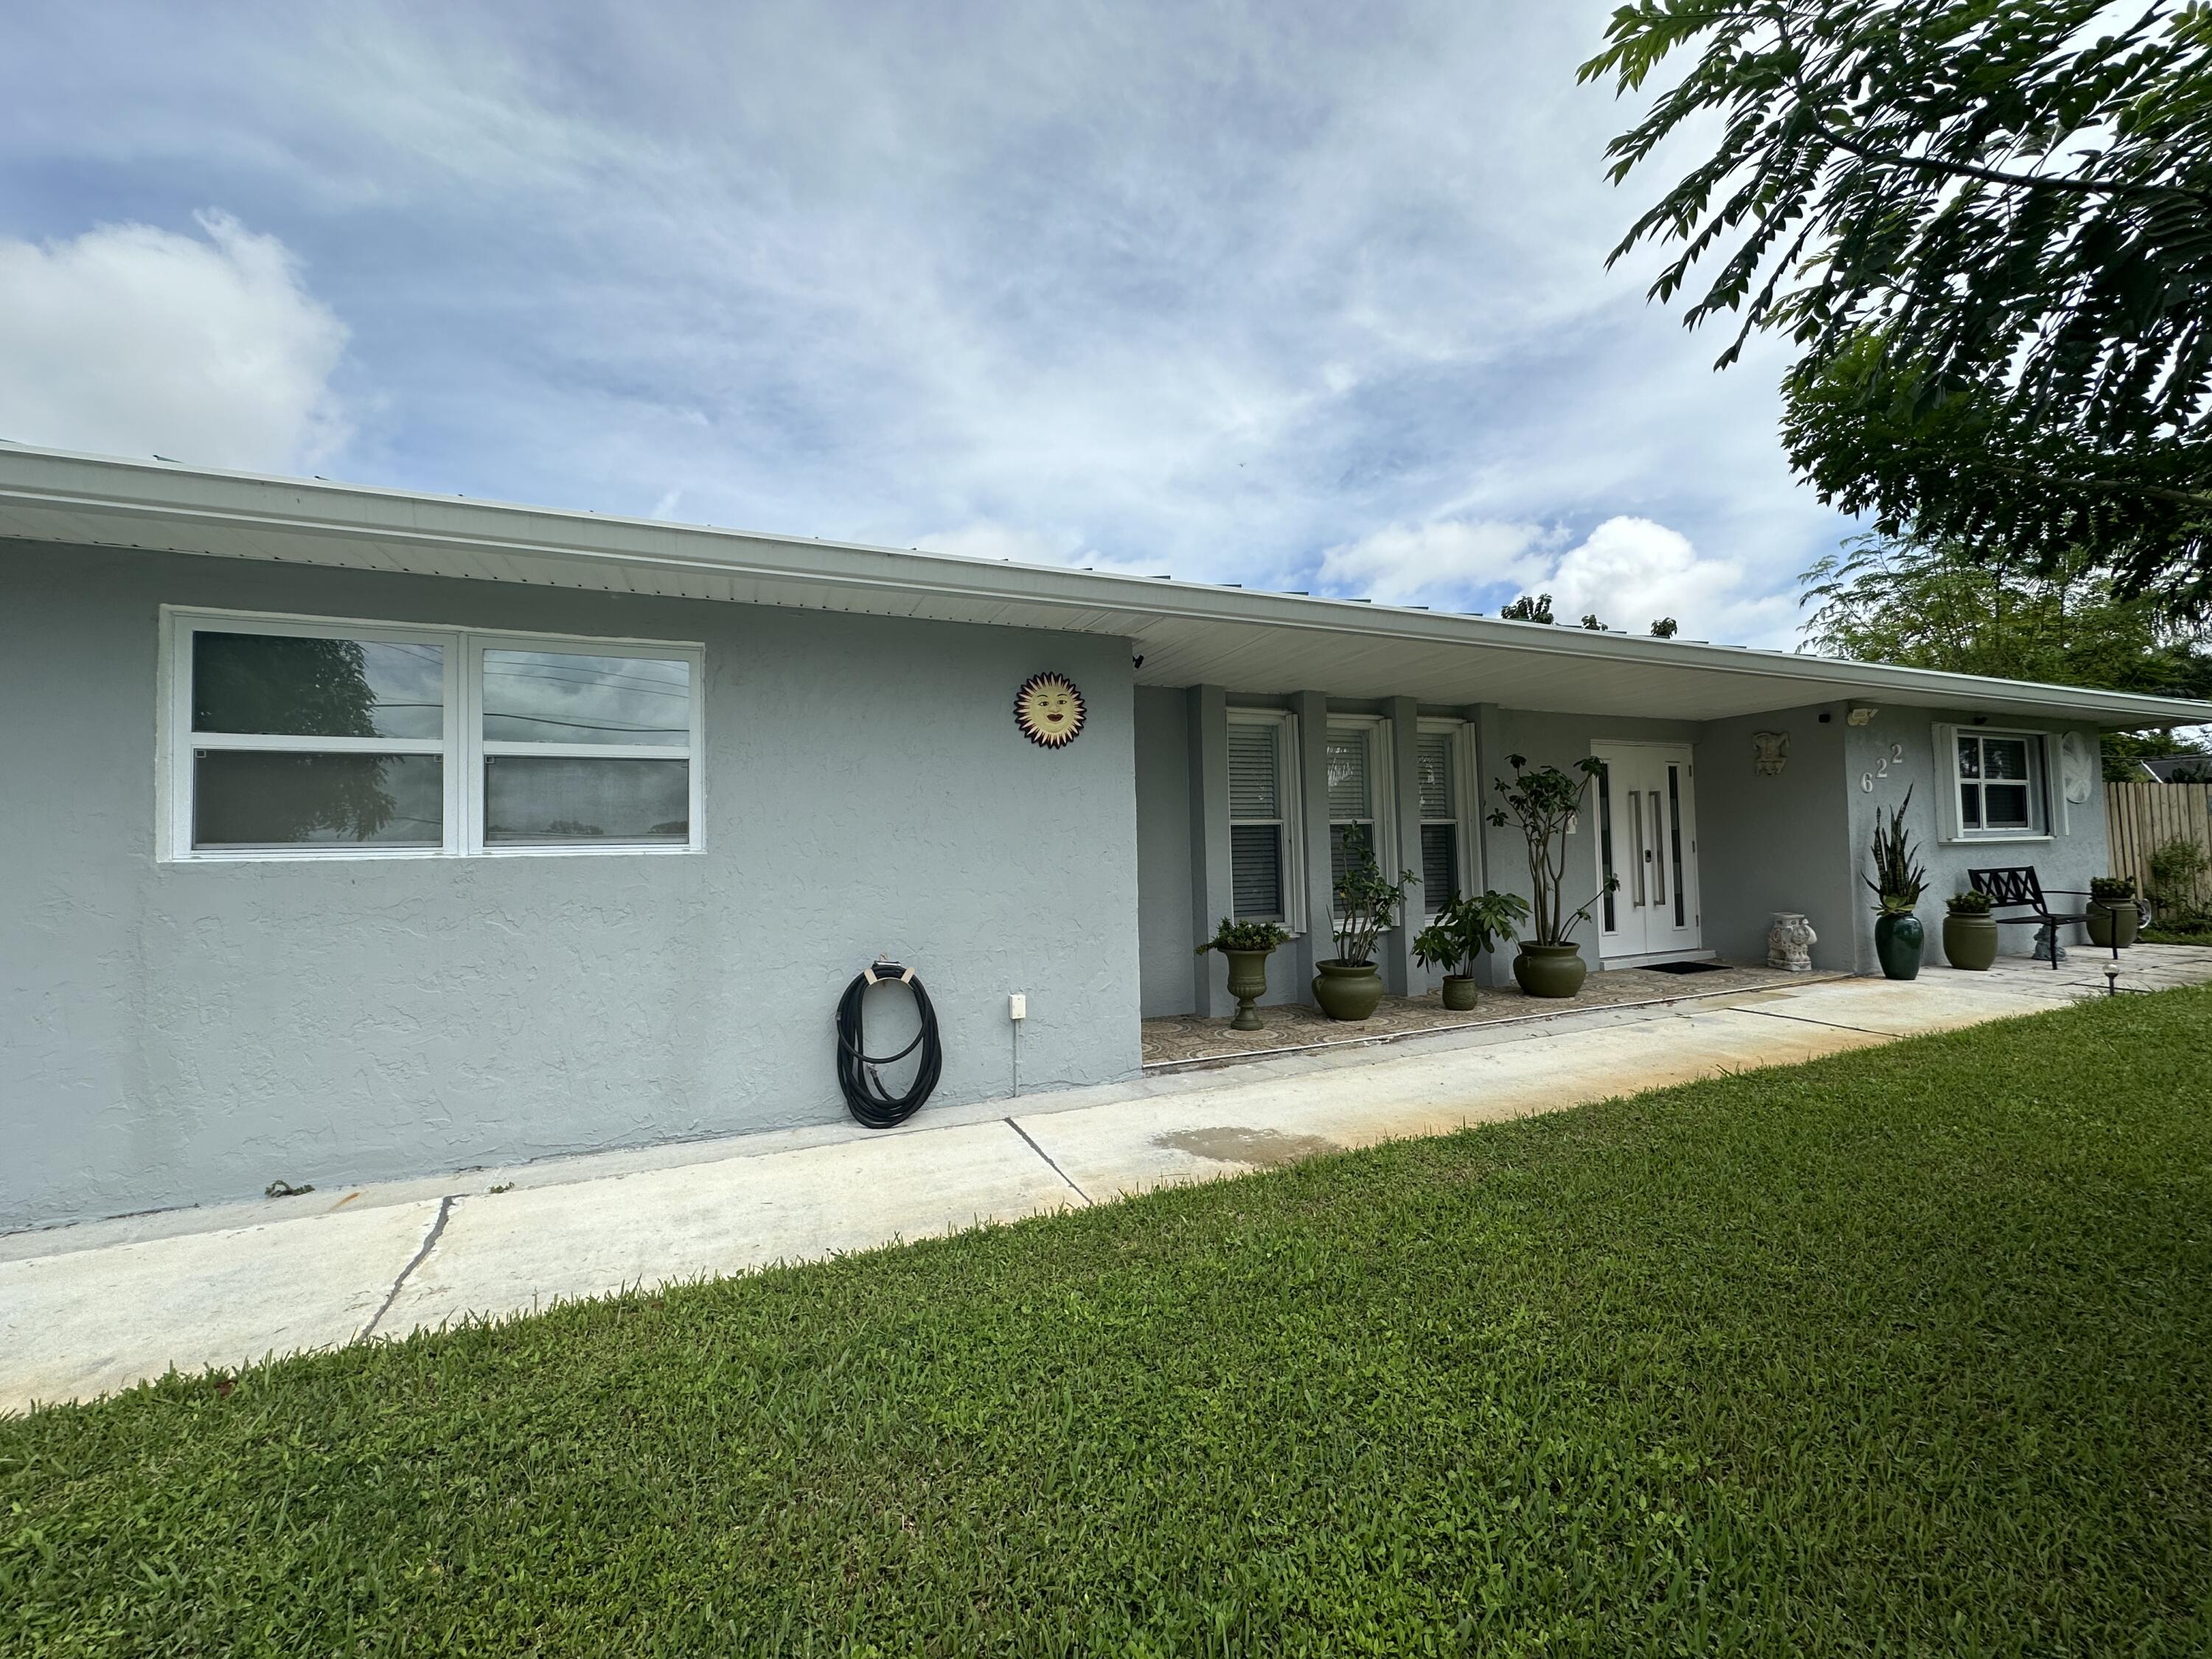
[(1253, 770)]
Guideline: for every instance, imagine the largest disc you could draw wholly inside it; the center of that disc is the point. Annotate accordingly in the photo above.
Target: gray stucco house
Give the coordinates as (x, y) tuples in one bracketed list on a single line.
[(352, 834)]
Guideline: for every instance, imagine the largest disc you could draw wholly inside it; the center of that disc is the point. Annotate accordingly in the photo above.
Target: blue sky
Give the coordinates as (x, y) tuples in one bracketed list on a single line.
[(1305, 297)]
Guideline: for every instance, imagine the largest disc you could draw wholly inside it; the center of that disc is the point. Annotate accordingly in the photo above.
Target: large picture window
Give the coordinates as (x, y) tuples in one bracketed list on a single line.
[(306, 738), (1262, 851), (2000, 779)]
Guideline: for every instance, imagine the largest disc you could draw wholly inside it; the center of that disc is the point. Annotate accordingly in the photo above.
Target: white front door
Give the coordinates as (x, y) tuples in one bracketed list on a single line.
[(1647, 824)]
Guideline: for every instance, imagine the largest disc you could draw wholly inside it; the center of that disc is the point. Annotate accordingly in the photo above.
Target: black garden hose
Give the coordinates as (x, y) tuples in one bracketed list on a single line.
[(871, 1103)]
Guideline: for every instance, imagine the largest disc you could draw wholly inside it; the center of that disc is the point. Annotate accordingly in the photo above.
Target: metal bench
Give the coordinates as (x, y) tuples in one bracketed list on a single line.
[(2019, 888)]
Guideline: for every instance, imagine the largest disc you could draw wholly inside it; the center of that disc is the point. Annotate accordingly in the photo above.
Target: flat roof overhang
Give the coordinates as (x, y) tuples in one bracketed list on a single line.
[(1186, 633)]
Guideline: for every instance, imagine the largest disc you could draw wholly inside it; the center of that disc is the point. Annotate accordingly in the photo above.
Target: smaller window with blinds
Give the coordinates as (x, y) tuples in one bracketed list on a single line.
[(1261, 853), (1435, 760), (1350, 755)]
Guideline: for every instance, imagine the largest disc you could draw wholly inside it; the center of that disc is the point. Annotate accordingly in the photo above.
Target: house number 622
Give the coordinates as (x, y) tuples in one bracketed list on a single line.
[(1894, 757)]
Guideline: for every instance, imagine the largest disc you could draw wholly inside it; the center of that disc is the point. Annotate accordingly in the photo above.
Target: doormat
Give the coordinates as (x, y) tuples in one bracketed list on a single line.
[(1685, 966)]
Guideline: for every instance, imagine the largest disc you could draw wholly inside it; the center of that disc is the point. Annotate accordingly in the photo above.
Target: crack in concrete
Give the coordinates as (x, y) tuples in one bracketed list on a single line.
[(1046, 1157), (1807, 1019), (429, 1243)]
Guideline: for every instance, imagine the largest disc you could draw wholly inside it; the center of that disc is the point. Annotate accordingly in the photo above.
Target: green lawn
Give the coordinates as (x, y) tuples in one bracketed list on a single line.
[(1907, 1350)]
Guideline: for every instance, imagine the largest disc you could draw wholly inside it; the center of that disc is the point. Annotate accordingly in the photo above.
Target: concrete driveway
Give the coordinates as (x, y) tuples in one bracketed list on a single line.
[(87, 1309)]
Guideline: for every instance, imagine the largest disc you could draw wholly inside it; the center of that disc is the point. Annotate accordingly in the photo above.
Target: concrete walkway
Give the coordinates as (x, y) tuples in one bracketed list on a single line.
[(87, 1309)]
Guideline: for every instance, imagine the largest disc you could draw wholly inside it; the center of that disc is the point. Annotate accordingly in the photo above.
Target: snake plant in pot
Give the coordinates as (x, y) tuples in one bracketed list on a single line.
[(1543, 802), (1347, 986), (1462, 931), (1247, 945), (1897, 881)]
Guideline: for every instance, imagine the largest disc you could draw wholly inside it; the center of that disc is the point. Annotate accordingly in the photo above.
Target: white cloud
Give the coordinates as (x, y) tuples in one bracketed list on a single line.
[(132, 340), (1406, 564)]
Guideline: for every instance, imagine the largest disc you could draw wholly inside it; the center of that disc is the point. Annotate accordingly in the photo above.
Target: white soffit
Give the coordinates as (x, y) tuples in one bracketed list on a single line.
[(1186, 633)]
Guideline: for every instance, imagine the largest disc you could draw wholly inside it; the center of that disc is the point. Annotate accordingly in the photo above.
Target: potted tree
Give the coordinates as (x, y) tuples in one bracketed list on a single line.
[(1543, 801), (1247, 945), (1897, 881), (1347, 986), (1970, 932), (2112, 914), (1462, 931)]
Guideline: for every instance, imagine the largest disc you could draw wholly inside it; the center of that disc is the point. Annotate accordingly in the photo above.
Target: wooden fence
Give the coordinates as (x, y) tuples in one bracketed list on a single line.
[(2142, 817)]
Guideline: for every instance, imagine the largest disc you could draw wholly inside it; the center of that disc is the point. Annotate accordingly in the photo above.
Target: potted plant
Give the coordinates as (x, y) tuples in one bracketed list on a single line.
[(1347, 986), (1247, 945), (1970, 932), (1543, 802), (1462, 931), (1897, 881), (2112, 914)]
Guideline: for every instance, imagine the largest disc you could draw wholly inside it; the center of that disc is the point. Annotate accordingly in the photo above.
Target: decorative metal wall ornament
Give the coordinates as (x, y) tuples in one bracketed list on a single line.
[(1769, 752), (2078, 766), (1049, 710)]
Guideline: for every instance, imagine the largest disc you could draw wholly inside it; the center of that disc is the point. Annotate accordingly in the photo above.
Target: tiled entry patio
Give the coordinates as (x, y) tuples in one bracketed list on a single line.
[(1188, 1042)]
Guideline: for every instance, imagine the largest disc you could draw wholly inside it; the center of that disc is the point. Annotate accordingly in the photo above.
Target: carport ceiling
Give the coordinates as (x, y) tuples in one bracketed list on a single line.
[(1186, 633)]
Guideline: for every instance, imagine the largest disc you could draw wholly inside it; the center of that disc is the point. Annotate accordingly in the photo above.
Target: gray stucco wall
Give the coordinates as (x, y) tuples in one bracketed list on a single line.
[(1777, 843), (1164, 847), (185, 1032)]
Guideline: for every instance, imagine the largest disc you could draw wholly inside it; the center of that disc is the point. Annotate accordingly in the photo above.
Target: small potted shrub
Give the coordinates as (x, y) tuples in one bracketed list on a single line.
[(1970, 932), (1462, 931), (1347, 986), (2113, 916), (1247, 945), (1898, 882), (1542, 802)]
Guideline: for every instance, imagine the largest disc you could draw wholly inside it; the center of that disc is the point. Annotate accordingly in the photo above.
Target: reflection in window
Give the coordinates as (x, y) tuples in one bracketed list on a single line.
[(548, 696), (551, 800), (2000, 781), (247, 797), (303, 686)]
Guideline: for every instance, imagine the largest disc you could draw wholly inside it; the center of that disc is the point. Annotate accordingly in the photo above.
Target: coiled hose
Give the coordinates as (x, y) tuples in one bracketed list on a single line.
[(870, 1103)]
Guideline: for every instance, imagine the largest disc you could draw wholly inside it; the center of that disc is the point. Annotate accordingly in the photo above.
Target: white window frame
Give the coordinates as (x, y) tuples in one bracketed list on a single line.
[(1466, 844), (1380, 793), (1289, 815), (1952, 826), (462, 747)]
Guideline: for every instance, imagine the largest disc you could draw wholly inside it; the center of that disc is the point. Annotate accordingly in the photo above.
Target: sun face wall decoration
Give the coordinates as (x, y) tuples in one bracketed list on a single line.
[(1049, 710)]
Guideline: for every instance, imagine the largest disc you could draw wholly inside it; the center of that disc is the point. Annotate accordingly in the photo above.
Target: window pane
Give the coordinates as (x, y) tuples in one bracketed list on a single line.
[(1350, 846), (1439, 864), (2004, 806), (1347, 776), (552, 696), (1970, 757), (1605, 841), (250, 799), (554, 799), (1433, 762), (1970, 807), (297, 686), (2004, 758), (1674, 839), (1255, 863), (1252, 771)]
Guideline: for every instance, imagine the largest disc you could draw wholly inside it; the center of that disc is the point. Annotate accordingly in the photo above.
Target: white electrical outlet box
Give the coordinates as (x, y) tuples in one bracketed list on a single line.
[(1017, 1005)]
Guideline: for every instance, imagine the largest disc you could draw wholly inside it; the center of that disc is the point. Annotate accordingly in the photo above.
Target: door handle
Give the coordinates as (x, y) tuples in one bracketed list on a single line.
[(1658, 853), (1636, 823)]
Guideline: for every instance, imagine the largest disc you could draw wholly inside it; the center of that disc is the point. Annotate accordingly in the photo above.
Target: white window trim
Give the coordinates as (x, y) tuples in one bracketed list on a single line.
[(462, 745), (1381, 793), (1950, 827), (1463, 803), (1289, 801)]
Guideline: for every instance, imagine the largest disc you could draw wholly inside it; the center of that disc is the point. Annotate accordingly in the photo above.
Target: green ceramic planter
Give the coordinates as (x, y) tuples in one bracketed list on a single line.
[(1550, 970), (1347, 990), (1897, 942), (2105, 920), (1459, 994), (1247, 983), (1970, 942)]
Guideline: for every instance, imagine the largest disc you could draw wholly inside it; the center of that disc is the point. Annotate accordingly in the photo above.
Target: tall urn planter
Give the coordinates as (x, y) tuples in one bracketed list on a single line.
[(1898, 882), (1898, 943), (1247, 945)]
